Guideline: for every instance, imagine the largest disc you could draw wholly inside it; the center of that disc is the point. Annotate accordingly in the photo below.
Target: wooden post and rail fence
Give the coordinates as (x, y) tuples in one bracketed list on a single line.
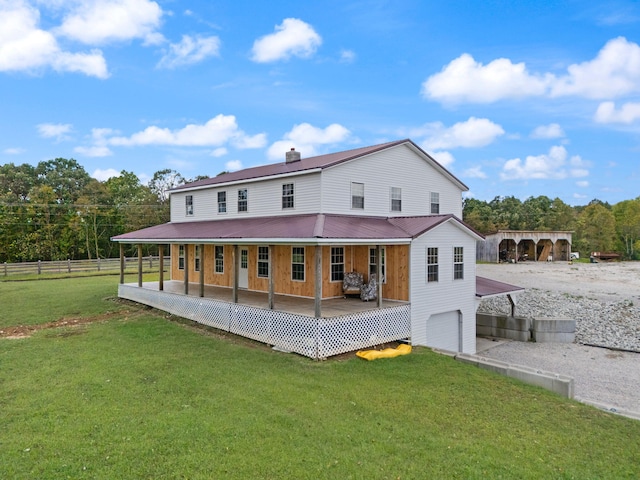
[(130, 264)]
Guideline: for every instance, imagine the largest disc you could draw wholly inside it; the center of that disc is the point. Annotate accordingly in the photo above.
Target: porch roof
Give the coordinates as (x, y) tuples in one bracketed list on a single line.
[(310, 229), (486, 287)]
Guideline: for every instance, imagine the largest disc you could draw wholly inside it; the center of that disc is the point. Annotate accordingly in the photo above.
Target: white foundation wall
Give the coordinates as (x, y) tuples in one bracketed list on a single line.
[(447, 294)]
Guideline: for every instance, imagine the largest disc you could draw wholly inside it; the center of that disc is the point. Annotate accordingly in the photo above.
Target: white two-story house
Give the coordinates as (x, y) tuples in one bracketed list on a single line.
[(262, 252)]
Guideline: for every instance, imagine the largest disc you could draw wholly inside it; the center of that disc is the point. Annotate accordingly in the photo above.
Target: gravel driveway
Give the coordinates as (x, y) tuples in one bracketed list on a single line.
[(604, 299)]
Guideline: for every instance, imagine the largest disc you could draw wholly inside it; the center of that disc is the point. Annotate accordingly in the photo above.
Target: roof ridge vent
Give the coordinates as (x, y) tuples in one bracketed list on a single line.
[(292, 156)]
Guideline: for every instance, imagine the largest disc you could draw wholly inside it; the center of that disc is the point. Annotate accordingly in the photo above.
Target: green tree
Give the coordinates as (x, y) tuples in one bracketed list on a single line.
[(596, 229), (627, 216)]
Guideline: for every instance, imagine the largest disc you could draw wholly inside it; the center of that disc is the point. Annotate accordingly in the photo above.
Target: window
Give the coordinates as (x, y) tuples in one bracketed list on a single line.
[(396, 199), (263, 262), (181, 257), (219, 258), (297, 263), (222, 202), (243, 200), (432, 264), (435, 202), (337, 264), (373, 263), (357, 195), (188, 201), (196, 259), (287, 195), (458, 263)]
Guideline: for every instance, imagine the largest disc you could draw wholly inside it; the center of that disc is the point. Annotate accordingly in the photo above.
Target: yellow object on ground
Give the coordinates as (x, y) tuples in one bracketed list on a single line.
[(402, 349)]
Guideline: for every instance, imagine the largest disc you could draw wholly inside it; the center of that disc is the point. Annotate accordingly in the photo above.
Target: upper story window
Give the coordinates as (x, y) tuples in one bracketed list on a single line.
[(337, 264), (196, 259), (222, 202), (297, 263), (396, 199), (188, 201), (219, 258), (458, 263), (435, 202), (243, 200), (263, 262), (287, 195), (432, 264), (373, 263), (181, 257), (357, 195)]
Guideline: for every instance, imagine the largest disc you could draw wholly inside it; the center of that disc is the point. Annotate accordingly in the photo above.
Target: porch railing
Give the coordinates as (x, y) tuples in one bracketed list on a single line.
[(309, 336)]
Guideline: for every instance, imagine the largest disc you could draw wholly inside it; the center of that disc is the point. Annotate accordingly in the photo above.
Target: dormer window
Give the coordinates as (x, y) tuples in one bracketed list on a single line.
[(188, 200)]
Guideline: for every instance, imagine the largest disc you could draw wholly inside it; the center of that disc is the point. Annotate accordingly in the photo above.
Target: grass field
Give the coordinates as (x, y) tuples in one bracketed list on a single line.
[(143, 396)]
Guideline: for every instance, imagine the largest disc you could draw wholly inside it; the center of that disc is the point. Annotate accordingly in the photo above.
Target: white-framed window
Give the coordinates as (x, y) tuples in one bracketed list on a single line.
[(218, 251), (373, 263), (297, 263), (458, 263), (181, 257), (222, 202), (196, 259), (435, 202), (243, 200), (396, 199), (337, 264), (188, 203), (244, 258), (432, 264), (287, 195), (357, 195), (263, 262)]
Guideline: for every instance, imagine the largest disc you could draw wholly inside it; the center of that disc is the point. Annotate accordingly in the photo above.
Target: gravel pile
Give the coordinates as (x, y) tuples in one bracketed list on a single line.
[(613, 324)]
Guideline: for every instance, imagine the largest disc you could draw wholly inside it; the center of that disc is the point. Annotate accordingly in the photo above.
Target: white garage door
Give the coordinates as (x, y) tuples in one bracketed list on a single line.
[(443, 331)]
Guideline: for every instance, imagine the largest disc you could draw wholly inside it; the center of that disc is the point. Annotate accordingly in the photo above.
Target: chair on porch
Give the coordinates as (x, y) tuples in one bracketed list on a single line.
[(351, 283), (369, 291)]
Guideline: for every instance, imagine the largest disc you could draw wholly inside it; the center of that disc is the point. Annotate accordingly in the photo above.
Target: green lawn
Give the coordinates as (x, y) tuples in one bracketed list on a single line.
[(140, 396)]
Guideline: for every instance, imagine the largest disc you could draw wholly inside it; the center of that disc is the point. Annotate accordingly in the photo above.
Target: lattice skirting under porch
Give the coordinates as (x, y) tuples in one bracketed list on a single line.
[(312, 337)]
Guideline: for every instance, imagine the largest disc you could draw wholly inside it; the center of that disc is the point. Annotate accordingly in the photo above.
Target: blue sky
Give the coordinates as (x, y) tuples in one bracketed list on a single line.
[(516, 98)]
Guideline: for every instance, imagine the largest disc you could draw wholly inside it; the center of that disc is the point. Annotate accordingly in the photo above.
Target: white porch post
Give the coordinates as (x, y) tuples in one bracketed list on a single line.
[(186, 269), (121, 263), (318, 289), (379, 271), (161, 261), (271, 278), (201, 261), (140, 265), (236, 263)]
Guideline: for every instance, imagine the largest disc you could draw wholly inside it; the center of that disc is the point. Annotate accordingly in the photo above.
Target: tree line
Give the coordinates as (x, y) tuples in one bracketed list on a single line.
[(56, 211), (597, 227)]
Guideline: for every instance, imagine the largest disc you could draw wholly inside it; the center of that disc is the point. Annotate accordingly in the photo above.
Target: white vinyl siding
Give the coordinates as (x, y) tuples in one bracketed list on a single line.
[(397, 167), (429, 299)]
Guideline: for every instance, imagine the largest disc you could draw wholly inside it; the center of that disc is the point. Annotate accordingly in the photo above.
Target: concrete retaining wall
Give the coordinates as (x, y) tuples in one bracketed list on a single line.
[(554, 330), (502, 326), (560, 384)]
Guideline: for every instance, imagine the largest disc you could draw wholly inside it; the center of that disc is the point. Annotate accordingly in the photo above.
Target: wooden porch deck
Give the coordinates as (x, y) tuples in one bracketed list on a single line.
[(334, 307)]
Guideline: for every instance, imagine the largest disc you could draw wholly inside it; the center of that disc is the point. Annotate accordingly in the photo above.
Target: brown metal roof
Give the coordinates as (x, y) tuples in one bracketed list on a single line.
[(485, 287), (311, 163), (294, 227)]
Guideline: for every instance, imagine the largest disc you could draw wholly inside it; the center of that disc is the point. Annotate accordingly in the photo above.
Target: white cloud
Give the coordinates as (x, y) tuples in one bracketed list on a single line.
[(347, 56), (444, 158), (94, 151), (293, 37), (104, 175), (58, 131), (553, 130), (256, 141), (99, 143), (607, 113), (98, 22), (614, 72), (582, 183), (233, 165), (219, 152), (465, 80), (189, 51), (26, 47), (474, 172), (552, 166), (13, 151), (216, 132), (306, 139), (472, 133)]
